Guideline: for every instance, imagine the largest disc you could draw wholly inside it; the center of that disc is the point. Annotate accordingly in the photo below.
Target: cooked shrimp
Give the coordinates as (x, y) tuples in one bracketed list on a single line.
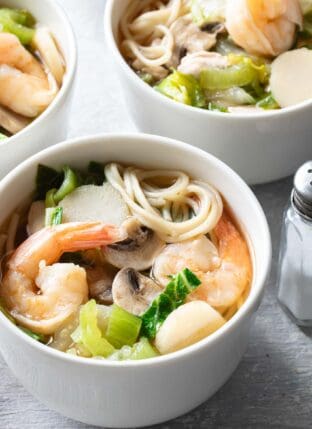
[(224, 272), (13, 54), (263, 27), (25, 88), (42, 294)]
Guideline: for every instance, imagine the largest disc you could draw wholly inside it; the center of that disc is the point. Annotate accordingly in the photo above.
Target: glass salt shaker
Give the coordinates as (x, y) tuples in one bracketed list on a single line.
[(295, 259)]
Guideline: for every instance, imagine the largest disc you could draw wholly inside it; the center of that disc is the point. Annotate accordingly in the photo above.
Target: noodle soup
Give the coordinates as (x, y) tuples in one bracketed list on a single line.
[(32, 70), (122, 263), (230, 56)]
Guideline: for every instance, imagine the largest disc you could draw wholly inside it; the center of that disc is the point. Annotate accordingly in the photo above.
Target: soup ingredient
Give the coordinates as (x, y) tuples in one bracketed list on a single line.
[(291, 77), (53, 216), (100, 279), (36, 217), (169, 202), (12, 122), (224, 273), (208, 11), (17, 22), (24, 86), (70, 182), (90, 335), (263, 28), (44, 42), (242, 72), (171, 298), (194, 63), (140, 350), (43, 294), (123, 327), (182, 88), (133, 291), (199, 255), (94, 203), (138, 250), (187, 325), (268, 103)]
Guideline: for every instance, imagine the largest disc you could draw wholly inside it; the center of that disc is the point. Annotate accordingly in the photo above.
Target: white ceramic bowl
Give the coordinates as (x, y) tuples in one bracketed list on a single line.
[(132, 394), (51, 126), (260, 147)]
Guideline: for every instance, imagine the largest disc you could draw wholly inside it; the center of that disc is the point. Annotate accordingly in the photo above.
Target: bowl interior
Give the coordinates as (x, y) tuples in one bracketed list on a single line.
[(152, 151)]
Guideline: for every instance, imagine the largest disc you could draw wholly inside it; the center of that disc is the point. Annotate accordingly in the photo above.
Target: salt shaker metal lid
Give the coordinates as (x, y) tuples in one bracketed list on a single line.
[(302, 193)]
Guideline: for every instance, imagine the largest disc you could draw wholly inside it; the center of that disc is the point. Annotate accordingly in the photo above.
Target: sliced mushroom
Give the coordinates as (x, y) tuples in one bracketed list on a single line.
[(138, 250), (100, 280), (133, 291), (198, 61), (189, 38)]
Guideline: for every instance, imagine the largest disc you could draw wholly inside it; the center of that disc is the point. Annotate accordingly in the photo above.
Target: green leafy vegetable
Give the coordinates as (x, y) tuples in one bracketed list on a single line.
[(123, 327), (243, 71), (95, 174), (53, 216), (208, 11), (90, 335), (17, 22), (70, 182), (47, 178), (182, 88), (140, 350), (268, 103), (173, 296)]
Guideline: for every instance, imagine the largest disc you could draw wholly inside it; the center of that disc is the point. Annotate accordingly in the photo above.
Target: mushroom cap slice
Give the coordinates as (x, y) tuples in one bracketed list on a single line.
[(100, 280), (138, 250), (133, 291)]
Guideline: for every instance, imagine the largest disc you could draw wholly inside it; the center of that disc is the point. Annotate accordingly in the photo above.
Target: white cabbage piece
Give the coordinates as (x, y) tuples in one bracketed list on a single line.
[(208, 11)]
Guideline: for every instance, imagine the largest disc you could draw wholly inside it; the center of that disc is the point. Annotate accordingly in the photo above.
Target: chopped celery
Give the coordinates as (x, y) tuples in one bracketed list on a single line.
[(208, 11), (12, 20), (242, 71), (3, 137), (70, 183), (123, 327), (47, 178), (147, 78), (173, 296), (182, 88), (140, 350), (91, 336), (268, 103), (53, 216)]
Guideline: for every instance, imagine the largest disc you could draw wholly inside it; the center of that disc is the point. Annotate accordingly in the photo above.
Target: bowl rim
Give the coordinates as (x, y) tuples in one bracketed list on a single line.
[(71, 68), (183, 108), (247, 308)]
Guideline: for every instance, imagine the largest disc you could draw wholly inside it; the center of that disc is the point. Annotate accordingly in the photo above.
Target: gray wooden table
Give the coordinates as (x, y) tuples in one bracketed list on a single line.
[(272, 387)]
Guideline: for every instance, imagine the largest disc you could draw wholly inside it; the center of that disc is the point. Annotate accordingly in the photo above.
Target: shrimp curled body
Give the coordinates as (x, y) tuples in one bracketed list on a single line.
[(42, 294), (225, 272), (263, 27), (25, 88)]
